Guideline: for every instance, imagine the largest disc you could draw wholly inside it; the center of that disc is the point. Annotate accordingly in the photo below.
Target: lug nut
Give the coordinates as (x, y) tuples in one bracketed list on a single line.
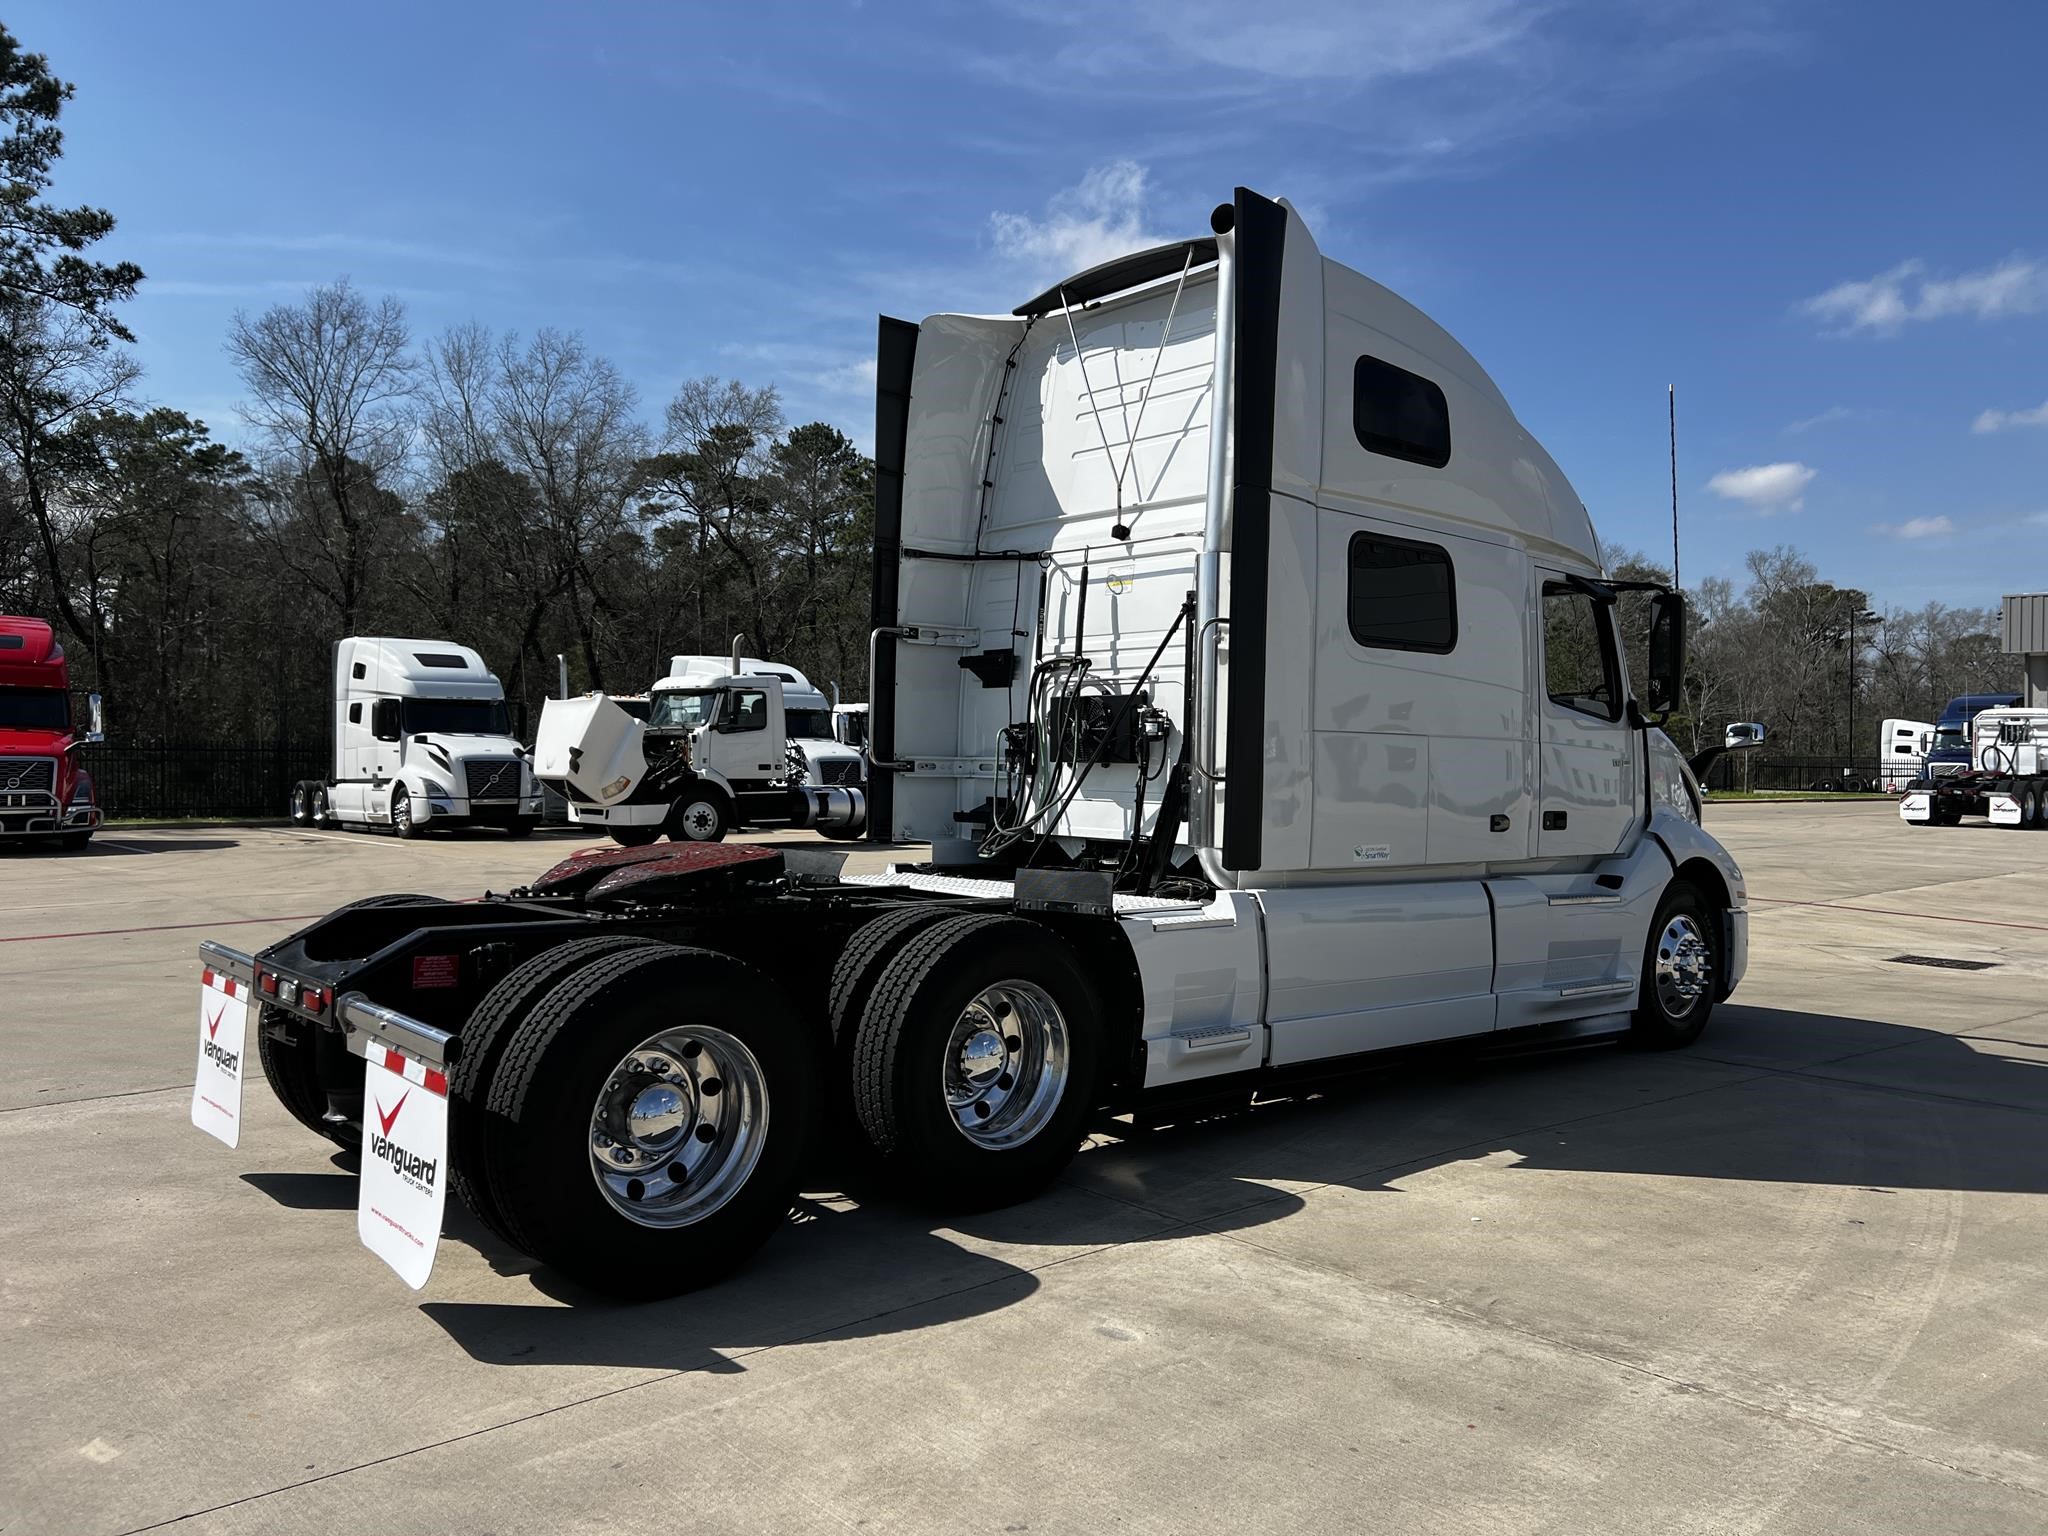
[(625, 1154)]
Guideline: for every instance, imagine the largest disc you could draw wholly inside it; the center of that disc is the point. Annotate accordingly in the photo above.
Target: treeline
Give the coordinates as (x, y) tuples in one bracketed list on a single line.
[(499, 491), (1814, 661), (509, 493)]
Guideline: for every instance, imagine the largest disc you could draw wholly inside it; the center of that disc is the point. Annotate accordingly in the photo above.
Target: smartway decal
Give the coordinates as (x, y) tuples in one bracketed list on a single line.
[(217, 1084), (404, 1184)]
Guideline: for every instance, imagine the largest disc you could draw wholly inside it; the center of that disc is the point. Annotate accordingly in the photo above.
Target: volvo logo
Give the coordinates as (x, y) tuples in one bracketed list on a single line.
[(19, 775)]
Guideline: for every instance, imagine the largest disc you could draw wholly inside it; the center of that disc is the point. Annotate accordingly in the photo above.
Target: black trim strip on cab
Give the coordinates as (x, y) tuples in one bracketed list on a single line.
[(895, 357), (1261, 241)]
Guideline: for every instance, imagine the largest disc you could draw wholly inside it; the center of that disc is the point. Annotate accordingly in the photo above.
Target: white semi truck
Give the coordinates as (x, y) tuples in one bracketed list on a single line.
[(806, 713), (715, 754), (2005, 780), (1253, 676), (422, 738)]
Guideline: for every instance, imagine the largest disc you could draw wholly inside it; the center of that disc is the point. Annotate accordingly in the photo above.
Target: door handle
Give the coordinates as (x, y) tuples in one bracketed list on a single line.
[(1554, 821)]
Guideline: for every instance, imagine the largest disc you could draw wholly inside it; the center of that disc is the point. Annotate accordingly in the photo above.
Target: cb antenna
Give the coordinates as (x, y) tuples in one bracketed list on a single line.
[(1672, 391)]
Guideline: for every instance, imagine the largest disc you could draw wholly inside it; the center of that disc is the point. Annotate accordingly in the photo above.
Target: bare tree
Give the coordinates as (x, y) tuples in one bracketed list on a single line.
[(330, 383), (56, 375), (714, 455), (563, 420)]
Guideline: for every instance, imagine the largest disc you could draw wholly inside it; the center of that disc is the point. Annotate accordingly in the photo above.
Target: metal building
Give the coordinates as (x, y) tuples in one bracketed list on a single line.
[(2026, 634)]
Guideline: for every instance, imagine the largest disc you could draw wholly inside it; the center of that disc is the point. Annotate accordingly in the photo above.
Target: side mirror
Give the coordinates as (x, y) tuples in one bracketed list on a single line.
[(1742, 735), (384, 719), (96, 719), (1665, 685), (519, 720)]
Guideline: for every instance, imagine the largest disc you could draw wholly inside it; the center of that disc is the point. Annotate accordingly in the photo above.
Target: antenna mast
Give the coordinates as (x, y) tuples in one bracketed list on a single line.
[(1672, 390)]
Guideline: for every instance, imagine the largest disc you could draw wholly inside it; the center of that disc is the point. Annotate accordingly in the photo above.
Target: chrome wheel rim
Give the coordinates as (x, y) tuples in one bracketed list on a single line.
[(678, 1126), (1006, 1064), (300, 810), (401, 810), (699, 821), (1685, 966)]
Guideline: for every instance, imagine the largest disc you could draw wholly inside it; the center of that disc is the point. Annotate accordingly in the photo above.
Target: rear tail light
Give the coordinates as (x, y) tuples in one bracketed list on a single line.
[(268, 982), (313, 999)]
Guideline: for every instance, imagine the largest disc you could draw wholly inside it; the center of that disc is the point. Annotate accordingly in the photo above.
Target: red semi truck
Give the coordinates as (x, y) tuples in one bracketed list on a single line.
[(45, 791)]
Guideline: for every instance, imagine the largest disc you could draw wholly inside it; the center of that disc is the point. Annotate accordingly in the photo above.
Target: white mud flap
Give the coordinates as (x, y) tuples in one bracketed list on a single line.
[(404, 1184), (224, 1004), (2004, 811), (1916, 806)]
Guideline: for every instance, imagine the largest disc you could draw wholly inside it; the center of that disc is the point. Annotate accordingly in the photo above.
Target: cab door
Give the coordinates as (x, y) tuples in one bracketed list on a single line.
[(1590, 792)]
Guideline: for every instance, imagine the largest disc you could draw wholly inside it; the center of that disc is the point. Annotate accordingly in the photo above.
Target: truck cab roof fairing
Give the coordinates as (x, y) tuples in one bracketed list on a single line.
[(1123, 272)]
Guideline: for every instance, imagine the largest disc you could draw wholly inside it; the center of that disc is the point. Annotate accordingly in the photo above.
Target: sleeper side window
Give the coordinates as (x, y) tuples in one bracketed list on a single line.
[(1579, 666), (1401, 595), (1400, 414), (355, 714)]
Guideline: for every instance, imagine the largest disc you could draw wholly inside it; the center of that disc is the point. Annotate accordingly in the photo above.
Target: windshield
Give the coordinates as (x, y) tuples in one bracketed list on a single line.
[(680, 710), (454, 717), (35, 709), (810, 723), (1949, 738)]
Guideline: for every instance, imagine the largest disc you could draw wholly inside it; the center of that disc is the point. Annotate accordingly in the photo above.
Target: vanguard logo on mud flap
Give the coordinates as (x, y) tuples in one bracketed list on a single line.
[(420, 1172), (221, 1056)]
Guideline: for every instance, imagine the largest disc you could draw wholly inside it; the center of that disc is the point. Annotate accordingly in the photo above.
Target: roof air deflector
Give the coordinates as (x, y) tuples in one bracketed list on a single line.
[(1124, 272)]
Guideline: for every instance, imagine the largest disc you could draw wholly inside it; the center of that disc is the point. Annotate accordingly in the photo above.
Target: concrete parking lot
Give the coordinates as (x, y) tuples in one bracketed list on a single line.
[(1790, 1281)]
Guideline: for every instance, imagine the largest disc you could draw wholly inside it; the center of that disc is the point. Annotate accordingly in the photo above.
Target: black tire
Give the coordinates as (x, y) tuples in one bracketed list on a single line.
[(899, 1061), (1664, 1022), (287, 1046), (539, 1162), (869, 949), (401, 814), (486, 1033), (523, 826), (701, 814), (634, 837), (301, 807), (74, 842)]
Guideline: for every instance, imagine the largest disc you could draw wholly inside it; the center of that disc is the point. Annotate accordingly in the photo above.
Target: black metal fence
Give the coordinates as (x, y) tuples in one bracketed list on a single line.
[(1754, 770), (201, 779)]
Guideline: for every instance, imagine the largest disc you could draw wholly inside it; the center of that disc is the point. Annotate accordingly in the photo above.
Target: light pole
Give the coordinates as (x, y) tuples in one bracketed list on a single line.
[(1855, 617)]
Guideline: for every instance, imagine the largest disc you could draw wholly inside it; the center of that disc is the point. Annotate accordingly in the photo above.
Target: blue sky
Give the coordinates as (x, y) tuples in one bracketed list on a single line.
[(1823, 221)]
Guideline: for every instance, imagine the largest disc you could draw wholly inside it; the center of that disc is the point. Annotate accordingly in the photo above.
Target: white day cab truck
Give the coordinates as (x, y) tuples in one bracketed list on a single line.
[(422, 739), (1252, 675), (2005, 780), (728, 743)]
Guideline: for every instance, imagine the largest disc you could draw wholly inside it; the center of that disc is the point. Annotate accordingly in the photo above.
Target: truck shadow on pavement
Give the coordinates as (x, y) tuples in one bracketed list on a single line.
[(1769, 1095)]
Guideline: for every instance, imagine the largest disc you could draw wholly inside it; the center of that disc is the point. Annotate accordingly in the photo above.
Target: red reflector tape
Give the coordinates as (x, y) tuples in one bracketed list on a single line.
[(427, 1077), (435, 970)]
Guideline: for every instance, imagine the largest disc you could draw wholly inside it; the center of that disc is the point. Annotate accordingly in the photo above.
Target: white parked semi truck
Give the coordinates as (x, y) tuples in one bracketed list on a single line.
[(807, 715), (422, 738), (1253, 676), (715, 754), (2005, 780)]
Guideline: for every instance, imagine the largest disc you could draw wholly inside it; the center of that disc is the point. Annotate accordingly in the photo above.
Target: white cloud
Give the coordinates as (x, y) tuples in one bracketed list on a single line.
[(1832, 414), (1883, 304), (1919, 528), (1768, 488), (1101, 218), (1998, 421)]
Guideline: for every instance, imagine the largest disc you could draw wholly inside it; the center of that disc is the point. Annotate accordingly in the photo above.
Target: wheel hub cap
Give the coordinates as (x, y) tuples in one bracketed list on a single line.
[(1006, 1065), (1685, 966), (678, 1126)]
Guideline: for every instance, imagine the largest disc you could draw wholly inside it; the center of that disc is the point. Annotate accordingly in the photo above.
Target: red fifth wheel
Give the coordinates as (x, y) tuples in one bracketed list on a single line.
[(649, 1119), (974, 1061)]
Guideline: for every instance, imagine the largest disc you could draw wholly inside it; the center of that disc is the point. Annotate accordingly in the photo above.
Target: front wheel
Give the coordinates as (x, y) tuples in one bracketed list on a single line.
[(1681, 971), (401, 814), (302, 804), (702, 816), (74, 842), (651, 1116), (974, 1061), (523, 827), (627, 836)]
